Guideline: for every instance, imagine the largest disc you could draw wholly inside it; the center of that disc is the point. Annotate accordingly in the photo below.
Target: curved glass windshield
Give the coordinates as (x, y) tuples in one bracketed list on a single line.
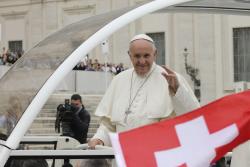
[(22, 82)]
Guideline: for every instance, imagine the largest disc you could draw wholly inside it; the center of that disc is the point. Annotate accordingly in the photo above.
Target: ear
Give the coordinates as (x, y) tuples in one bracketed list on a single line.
[(129, 54), (155, 54)]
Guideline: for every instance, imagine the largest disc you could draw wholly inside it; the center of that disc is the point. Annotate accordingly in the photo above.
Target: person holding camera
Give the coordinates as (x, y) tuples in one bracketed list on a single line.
[(73, 118)]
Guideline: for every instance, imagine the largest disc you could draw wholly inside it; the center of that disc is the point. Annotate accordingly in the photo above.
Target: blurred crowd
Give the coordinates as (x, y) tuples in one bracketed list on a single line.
[(89, 65), (8, 58)]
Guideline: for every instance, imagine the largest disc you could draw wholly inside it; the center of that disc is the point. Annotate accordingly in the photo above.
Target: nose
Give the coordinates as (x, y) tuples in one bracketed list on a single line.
[(141, 60)]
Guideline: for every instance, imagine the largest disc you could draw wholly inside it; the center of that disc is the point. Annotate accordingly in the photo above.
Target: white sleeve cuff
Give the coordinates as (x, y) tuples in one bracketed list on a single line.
[(102, 134)]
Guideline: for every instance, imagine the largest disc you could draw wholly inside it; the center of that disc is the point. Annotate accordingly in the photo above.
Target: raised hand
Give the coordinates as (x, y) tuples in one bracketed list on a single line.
[(172, 80)]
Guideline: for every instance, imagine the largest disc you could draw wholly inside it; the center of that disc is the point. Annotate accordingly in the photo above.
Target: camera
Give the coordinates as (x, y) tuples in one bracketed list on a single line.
[(64, 116), (67, 108)]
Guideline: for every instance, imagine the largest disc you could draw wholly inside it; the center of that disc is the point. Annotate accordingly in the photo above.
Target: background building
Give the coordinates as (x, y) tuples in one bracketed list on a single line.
[(217, 45)]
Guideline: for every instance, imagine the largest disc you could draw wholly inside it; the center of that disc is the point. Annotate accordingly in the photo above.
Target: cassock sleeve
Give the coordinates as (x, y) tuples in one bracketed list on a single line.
[(104, 111), (104, 108), (103, 131), (184, 99)]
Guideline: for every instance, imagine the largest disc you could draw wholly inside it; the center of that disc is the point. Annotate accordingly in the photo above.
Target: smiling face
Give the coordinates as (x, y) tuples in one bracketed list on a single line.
[(142, 54)]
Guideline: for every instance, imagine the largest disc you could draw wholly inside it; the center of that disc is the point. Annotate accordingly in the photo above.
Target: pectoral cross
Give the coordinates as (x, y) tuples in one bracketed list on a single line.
[(126, 115)]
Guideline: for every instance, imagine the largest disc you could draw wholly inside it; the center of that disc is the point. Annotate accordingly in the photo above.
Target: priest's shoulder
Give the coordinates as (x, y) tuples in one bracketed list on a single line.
[(124, 74)]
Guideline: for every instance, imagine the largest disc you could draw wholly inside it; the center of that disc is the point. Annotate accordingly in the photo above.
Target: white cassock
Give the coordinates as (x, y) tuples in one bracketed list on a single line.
[(151, 104)]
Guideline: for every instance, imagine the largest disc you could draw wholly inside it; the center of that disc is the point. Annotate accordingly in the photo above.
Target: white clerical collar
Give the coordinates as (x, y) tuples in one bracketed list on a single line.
[(148, 73)]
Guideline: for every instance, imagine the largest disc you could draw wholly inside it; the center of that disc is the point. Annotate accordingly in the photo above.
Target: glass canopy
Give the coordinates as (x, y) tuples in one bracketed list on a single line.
[(26, 77)]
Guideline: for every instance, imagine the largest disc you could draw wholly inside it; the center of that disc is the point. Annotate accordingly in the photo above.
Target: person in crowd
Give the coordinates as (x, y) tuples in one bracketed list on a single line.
[(11, 57), (85, 60), (89, 62), (90, 67), (1, 56), (77, 66), (106, 67), (4, 51), (113, 69), (119, 68), (11, 117), (8, 58), (99, 68), (74, 119), (4, 55), (95, 64), (80, 66), (144, 94)]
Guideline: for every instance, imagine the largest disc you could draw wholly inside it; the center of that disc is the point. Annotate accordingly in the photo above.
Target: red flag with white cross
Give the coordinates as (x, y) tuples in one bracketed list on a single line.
[(195, 139)]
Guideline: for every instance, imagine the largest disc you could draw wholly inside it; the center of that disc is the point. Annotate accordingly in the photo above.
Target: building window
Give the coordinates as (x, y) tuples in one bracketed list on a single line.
[(16, 46), (159, 39), (241, 47)]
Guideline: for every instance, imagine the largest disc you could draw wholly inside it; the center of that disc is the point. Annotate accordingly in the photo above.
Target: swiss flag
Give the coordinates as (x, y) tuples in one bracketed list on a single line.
[(195, 139)]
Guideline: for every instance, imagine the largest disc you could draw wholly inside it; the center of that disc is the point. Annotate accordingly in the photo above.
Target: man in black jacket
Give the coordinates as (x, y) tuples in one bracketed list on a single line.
[(74, 119), (80, 120)]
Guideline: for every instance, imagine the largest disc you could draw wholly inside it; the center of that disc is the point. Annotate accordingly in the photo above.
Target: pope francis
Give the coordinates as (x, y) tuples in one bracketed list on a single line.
[(144, 94)]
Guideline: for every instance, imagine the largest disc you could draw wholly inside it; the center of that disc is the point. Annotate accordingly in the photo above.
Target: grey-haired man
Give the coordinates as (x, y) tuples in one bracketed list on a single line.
[(144, 94)]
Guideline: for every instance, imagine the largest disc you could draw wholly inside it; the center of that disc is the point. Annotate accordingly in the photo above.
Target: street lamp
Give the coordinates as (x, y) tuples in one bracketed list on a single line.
[(193, 73)]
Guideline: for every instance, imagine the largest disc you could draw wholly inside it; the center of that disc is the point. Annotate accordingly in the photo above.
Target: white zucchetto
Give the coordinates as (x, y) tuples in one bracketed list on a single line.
[(142, 36)]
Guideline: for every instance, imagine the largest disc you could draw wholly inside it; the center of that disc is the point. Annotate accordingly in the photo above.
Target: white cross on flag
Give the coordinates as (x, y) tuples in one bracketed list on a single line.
[(195, 139)]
